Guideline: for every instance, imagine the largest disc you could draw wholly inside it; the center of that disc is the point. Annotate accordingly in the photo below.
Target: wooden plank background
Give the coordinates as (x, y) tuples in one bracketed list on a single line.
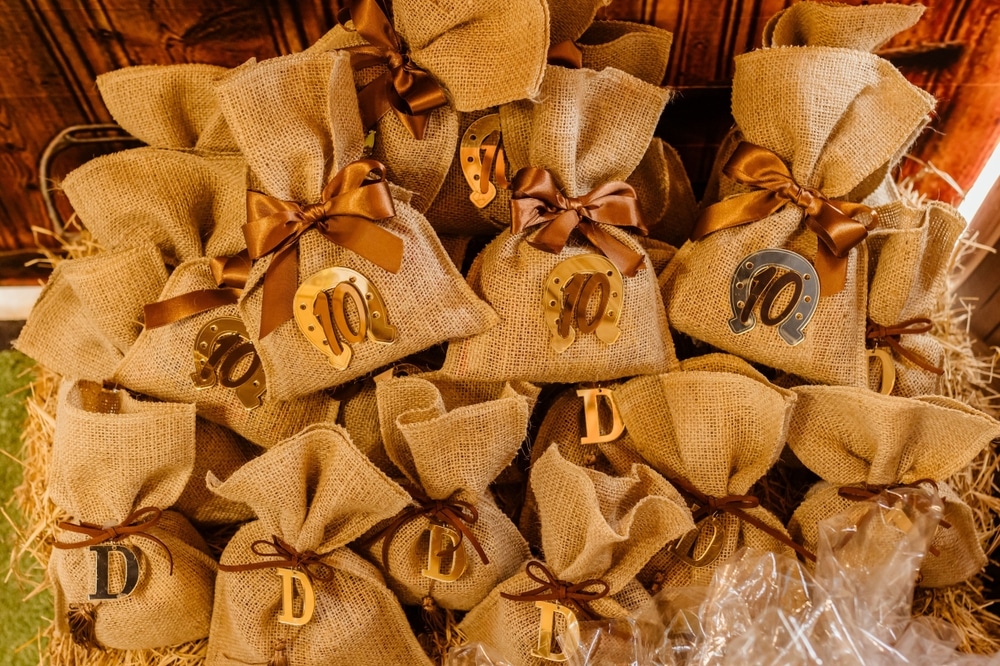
[(52, 50)]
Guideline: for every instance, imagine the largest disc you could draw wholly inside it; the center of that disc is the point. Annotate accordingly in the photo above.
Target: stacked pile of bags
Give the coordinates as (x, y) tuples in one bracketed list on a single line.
[(347, 297)]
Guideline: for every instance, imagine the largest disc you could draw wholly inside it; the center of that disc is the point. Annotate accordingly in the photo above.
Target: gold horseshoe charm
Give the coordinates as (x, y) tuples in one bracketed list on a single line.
[(471, 157), (569, 289), (220, 346), (321, 312)]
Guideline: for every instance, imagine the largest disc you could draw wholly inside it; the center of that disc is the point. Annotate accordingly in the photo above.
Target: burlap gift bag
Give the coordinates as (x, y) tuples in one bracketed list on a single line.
[(911, 254), (598, 531), (127, 573), (450, 440), (863, 443), (819, 127), (222, 452), (90, 311), (712, 430), (171, 106), (171, 362), (313, 494), (543, 282), (359, 417), (361, 264)]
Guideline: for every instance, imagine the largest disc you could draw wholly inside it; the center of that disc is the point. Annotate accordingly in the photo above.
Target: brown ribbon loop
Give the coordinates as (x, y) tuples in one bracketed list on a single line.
[(871, 493), (890, 335), (406, 89), (350, 203), (734, 505), (573, 595), (566, 54), (537, 201), (134, 525), (460, 516), (774, 188), (285, 557), (230, 275)]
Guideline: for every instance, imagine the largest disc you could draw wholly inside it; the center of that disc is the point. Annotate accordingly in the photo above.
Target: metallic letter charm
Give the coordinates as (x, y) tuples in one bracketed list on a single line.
[(888, 369), (103, 552), (711, 528), (569, 290), (471, 157), (592, 416), (220, 346), (760, 279), (458, 559), (547, 630), (321, 311), (288, 576)]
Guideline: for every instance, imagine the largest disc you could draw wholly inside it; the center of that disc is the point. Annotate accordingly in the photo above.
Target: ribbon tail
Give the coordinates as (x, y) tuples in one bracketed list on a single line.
[(735, 211), (367, 239), (628, 261), (831, 270), (280, 284), (186, 305), (373, 100)]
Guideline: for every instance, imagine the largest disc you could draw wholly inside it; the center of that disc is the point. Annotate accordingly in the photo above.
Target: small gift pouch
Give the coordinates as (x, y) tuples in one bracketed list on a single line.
[(865, 445), (598, 531), (127, 573), (574, 289), (712, 430), (777, 271), (222, 452), (911, 253), (89, 312), (347, 277), (289, 591), (450, 440)]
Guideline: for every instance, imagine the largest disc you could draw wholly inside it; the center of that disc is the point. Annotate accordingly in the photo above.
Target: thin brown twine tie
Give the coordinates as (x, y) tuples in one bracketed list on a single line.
[(134, 525), (538, 201), (890, 335), (872, 493), (734, 505), (230, 274), (406, 89), (572, 595), (286, 557), (459, 515), (773, 188)]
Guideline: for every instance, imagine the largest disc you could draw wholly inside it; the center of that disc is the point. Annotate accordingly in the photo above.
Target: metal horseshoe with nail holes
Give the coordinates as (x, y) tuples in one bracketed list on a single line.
[(471, 158), (760, 280), (320, 307), (569, 289), (219, 349)]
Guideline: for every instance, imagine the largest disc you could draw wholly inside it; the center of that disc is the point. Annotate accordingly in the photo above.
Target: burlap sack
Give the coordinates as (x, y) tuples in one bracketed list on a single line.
[(448, 41), (450, 440), (171, 106), (292, 150), (170, 198), (113, 455), (561, 133), (359, 417), (222, 452), (911, 253), (839, 118), (717, 425), (639, 50), (594, 526), (315, 492), (850, 437), (161, 362), (89, 312)]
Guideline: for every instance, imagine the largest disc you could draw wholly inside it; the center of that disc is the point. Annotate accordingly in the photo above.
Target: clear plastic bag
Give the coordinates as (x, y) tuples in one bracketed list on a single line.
[(764, 608)]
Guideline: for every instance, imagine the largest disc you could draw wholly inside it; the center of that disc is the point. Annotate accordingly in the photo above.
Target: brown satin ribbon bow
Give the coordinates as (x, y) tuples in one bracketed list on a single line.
[(774, 188), (870, 493), (734, 505), (890, 336), (573, 595), (286, 557), (537, 201), (454, 513), (406, 89), (134, 525), (230, 274), (566, 54), (345, 215)]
